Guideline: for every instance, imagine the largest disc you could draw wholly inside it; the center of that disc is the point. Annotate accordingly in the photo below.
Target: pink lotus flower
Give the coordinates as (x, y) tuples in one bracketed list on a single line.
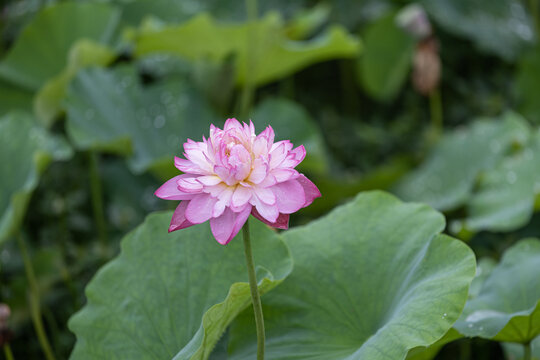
[(235, 173)]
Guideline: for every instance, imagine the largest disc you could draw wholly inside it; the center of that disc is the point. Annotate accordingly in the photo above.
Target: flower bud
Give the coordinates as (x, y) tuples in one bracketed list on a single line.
[(426, 67)]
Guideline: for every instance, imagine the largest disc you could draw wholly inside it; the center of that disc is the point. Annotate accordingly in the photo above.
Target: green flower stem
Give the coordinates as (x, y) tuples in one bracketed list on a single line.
[(527, 351), (35, 310), (7, 352), (249, 86), (255, 297), (436, 114), (97, 202)]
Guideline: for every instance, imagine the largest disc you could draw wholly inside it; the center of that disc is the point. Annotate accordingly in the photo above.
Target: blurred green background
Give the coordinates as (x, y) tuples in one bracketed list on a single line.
[(436, 101)]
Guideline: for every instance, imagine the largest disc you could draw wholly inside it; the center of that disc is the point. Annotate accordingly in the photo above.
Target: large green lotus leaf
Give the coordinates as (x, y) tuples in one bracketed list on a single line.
[(505, 197), (483, 269), (371, 280), (500, 27), (527, 85), (508, 305), (428, 353), (84, 53), (172, 295), (274, 54), (291, 121), (35, 58), (170, 11), (386, 61), (515, 351), (446, 178), (14, 98), (25, 151), (110, 110)]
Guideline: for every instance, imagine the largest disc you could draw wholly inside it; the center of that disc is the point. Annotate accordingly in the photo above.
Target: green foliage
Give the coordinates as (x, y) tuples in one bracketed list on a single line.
[(527, 85), (291, 121), (110, 110), (128, 81), (507, 307), (32, 61), (500, 27), (447, 177), (505, 196), (172, 295), (13, 98), (83, 53), (275, 55), (388, 54), (366, 285), (26, 149)]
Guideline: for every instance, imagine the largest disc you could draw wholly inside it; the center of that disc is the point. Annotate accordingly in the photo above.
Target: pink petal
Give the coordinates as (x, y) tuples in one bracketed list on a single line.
[(277, 155), (224, 174), (260, 146), (187, 166), (269, 212), (264, 194), (290, 196), (259, 171), (200, 208), (224, 200), (282, 221), (282, 175), (189, 185), (231, 123), (209, 180), (269, 134), (241, 196), (179, 220), (195, 152), (311, 191), (294, 157), (170, 191), (225, 227)]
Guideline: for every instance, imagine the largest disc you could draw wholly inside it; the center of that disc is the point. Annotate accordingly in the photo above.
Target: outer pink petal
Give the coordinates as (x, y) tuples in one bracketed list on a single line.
[(179, 220), (311, 191), (282, 221), (290, 196), (200, 208), (170, 191), (269, 212), (225, 227)]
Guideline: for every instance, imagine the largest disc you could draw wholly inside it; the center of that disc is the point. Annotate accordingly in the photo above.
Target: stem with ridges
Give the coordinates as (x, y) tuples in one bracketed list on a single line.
[(35, 310), (255, 297), (527, 351), (97, 202)]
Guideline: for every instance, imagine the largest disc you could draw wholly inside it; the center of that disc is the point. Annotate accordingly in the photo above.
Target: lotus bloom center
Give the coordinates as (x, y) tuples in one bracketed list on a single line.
[(235, 173)]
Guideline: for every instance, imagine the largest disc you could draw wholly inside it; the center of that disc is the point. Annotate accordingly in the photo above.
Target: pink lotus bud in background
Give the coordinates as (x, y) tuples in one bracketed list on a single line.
[(235, 173)]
